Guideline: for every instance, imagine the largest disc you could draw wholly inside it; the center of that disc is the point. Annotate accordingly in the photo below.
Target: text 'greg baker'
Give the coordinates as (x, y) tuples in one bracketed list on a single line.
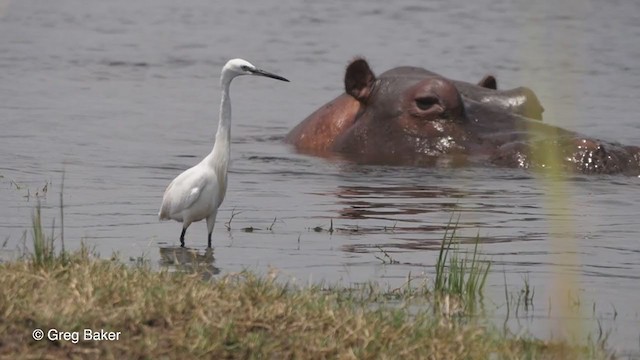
[(101, 335)]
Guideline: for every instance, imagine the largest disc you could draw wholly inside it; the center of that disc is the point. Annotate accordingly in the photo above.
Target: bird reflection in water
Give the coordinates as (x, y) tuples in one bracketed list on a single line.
[(189, 261)]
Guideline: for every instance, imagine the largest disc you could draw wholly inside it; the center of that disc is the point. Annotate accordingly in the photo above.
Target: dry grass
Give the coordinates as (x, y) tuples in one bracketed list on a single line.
[(172, 315)]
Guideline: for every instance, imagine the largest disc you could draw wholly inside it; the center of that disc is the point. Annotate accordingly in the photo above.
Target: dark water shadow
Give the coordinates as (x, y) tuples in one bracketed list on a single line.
[(189, 261), (416, 216), (409, 203), (433, 244), (394, 202)]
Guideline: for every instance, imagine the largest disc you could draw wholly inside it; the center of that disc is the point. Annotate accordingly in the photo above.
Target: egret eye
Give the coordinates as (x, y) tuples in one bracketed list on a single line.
[(425, 103), (244, 68)]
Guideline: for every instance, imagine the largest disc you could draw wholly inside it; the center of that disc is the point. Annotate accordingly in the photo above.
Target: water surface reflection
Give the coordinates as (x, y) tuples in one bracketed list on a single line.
[(188, 260)]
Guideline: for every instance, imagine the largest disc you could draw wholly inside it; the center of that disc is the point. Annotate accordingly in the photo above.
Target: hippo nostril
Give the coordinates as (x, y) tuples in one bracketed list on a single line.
[(425, 103)]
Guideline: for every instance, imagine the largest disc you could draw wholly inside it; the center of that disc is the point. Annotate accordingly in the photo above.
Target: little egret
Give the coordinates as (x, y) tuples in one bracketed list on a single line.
[(197, 193)]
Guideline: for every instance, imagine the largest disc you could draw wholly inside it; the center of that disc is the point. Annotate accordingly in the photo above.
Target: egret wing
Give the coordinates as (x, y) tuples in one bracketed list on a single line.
[(183, 192)]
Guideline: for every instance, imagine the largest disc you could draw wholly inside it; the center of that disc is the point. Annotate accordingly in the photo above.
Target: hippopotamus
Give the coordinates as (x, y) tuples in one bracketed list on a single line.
[(411, 116)]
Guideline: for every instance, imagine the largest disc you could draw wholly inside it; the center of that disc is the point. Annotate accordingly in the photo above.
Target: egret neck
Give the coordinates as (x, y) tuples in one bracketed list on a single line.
[(219, 157)]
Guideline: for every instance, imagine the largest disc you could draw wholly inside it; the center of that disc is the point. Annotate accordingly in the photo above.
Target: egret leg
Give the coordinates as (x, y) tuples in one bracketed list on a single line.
[(184, 230), (211, 221)]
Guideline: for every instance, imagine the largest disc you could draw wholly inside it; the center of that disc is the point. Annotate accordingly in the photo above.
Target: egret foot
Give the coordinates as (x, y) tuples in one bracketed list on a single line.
[(184, 230)]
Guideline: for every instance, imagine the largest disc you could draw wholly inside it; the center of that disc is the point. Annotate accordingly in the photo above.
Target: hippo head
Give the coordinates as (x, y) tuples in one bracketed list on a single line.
[(411, 116), (405, 113)]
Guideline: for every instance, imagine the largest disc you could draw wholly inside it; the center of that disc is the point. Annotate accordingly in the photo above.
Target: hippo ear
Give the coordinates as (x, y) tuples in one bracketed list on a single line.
[(489, 82), (359, 80)]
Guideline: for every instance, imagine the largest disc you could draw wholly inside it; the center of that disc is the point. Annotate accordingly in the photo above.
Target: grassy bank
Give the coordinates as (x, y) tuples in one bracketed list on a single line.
[(171, 315), (162, 314)]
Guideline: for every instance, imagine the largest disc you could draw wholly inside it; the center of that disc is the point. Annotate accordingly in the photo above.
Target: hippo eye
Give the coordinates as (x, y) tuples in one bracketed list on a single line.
[(425, 103)]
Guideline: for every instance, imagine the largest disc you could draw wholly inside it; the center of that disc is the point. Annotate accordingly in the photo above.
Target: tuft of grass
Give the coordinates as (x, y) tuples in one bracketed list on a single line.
[(462, 276), (43, 249), (522, 299)]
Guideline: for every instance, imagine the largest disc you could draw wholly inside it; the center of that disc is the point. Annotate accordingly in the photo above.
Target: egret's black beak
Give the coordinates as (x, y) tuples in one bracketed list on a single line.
[(267, 74)]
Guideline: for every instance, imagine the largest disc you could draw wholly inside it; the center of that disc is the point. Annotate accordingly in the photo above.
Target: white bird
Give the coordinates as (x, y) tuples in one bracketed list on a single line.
[(197, 193)]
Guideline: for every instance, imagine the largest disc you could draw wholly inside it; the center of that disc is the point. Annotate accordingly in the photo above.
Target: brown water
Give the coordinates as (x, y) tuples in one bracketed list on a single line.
[(123, 95)]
